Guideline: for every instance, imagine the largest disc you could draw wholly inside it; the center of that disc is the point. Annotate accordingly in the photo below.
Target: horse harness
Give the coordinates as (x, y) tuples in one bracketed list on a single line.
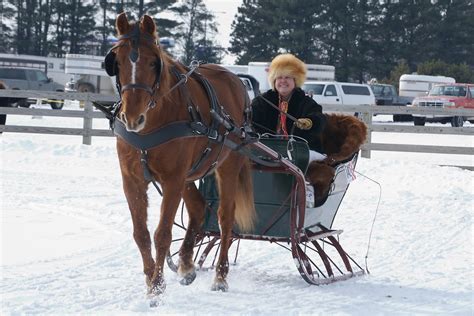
[(192, 128)]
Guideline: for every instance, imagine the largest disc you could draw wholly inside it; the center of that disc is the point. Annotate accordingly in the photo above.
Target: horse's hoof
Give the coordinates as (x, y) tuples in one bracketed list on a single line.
[(154, 301), (188, 278), (156, 289), (220, 285)]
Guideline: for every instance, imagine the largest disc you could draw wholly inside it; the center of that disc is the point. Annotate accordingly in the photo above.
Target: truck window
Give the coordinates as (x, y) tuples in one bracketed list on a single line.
[(358, 90), (330, 90), (456, 91), (377, 89), (40, 76), (471, 89), (10, 73), (314, 88)]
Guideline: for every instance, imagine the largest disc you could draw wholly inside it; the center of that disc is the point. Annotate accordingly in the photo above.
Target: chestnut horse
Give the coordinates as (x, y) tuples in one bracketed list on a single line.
[(157, 92)]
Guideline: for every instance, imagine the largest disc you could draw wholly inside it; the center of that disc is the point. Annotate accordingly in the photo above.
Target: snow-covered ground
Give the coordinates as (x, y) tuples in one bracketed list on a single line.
[(67, 246)]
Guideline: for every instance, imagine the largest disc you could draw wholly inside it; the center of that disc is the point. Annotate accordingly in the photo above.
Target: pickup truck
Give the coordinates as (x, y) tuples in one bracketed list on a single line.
[(454, 95), (30, 79), (339, 93), (386, 95)]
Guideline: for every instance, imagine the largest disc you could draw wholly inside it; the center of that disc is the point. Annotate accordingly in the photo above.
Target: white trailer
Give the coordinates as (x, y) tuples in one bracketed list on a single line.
[(419, 85), (88, 74)]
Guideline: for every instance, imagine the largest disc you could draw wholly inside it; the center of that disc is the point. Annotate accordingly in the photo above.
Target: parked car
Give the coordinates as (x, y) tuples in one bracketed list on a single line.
[(343, 93), (454, 95), (386, 95), (30, 79)]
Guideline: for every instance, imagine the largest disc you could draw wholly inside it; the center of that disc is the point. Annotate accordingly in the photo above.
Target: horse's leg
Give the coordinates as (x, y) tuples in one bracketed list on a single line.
[(135, 191), (227, 178), (172, 192), (195, 204)]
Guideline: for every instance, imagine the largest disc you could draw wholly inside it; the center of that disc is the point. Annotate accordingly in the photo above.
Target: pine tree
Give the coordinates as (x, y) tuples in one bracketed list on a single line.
[(255, 35), (81, 27), (196, 32), (455, 31), (7, 14)]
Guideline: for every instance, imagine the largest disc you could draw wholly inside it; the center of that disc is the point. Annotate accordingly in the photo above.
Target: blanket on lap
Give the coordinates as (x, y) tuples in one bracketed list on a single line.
[(342, 137)]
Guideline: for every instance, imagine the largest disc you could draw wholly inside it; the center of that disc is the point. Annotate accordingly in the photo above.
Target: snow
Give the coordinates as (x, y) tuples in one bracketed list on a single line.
[(67, 245)]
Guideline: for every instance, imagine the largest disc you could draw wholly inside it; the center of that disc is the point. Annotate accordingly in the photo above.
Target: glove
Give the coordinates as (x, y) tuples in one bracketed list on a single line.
[(304, 123)]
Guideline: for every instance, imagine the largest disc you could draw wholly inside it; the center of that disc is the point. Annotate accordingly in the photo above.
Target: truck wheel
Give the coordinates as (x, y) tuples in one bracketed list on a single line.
[(419, 121), (457, 121), (23, 103), (402, 118), (57, 104)]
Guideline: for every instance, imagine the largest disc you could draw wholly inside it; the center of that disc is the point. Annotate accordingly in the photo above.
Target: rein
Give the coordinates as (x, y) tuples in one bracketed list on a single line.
[(291, 117)]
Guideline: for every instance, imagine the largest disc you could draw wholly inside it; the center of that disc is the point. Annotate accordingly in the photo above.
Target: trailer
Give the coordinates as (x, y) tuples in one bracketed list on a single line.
[(414, 85)]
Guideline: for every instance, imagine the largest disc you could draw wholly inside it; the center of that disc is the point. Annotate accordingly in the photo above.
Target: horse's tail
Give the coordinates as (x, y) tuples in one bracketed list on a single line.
[(244, 202)]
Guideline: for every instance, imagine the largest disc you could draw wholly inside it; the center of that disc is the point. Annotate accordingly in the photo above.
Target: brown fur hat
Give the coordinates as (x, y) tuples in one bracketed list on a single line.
[(287, 65)]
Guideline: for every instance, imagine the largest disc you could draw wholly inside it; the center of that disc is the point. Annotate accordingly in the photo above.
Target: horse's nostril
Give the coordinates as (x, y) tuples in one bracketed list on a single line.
[(141, 119)]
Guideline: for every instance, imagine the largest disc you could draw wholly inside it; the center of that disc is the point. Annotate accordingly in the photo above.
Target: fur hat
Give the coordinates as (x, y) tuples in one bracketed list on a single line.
[(287, 65)]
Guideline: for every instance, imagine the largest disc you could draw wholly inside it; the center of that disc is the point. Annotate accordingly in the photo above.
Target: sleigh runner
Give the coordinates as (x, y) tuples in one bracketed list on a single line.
[(282, 214)]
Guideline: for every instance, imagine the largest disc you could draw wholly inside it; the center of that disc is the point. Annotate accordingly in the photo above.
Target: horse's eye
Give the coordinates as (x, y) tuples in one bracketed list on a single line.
[(153, 64)]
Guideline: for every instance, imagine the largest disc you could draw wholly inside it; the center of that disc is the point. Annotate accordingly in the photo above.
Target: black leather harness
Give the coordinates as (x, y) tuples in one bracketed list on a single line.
[(195, 127), (221, 124)]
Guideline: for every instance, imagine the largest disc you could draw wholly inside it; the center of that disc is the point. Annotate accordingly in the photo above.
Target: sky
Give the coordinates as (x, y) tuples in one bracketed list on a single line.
[(224, 11), (67, 246)]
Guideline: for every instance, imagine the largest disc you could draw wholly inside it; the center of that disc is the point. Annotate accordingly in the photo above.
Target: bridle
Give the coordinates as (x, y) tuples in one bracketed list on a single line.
[(112, 68)]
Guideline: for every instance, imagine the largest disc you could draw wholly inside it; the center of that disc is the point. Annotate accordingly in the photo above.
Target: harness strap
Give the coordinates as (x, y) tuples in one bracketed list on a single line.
[(157, 137)]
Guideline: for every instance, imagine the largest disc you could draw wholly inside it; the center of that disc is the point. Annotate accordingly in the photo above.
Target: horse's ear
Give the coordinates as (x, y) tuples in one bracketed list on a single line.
[(121, 24), (148, 25)]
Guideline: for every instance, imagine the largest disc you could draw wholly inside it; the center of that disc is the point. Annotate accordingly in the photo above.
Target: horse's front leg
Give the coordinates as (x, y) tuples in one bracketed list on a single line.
[(195, 205), (172, 193), (135, 191)]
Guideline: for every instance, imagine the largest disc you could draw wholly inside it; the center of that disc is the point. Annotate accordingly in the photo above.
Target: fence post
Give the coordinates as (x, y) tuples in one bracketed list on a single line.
[(367, 119), (87, 127)]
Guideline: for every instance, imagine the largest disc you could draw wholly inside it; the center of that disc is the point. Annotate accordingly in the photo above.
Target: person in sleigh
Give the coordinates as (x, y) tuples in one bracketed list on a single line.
[(287, 110)]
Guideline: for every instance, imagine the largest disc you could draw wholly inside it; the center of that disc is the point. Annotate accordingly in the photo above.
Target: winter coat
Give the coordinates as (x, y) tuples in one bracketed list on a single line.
[(265, 117)]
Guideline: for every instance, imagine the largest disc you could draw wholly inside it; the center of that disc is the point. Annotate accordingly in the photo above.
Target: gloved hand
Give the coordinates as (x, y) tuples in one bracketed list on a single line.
[(304, 123)]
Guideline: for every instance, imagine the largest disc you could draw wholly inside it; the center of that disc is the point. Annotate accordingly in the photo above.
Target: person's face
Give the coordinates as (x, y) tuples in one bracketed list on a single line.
[(284, 85)]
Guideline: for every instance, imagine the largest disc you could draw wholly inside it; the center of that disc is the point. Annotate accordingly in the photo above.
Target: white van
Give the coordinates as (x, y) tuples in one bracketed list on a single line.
[(328, 93), (419, 85)]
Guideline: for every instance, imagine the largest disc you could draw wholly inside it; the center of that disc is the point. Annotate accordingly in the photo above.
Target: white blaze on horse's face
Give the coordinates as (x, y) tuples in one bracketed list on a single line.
[(134, 70)]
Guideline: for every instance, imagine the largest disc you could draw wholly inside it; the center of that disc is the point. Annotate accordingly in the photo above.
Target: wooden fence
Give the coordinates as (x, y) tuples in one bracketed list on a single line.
[(365, 113)]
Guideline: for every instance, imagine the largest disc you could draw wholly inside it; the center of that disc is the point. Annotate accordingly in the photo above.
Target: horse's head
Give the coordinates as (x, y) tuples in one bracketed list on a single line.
[(137, 62)]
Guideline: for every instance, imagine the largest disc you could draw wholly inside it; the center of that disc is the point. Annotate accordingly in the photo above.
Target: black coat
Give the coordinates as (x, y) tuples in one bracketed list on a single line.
[(265, 117)]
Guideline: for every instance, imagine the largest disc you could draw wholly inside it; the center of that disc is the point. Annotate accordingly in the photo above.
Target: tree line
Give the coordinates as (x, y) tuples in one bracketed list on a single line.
[(54, 27), (363, 39)]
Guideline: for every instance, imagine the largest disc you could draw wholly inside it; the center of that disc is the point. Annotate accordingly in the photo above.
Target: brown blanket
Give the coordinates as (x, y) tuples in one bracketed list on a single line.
[(342, 137)]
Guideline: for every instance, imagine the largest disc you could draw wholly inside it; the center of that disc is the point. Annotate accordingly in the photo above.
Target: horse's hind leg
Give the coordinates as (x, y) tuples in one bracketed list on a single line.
[(227, 179), (195, 204)]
